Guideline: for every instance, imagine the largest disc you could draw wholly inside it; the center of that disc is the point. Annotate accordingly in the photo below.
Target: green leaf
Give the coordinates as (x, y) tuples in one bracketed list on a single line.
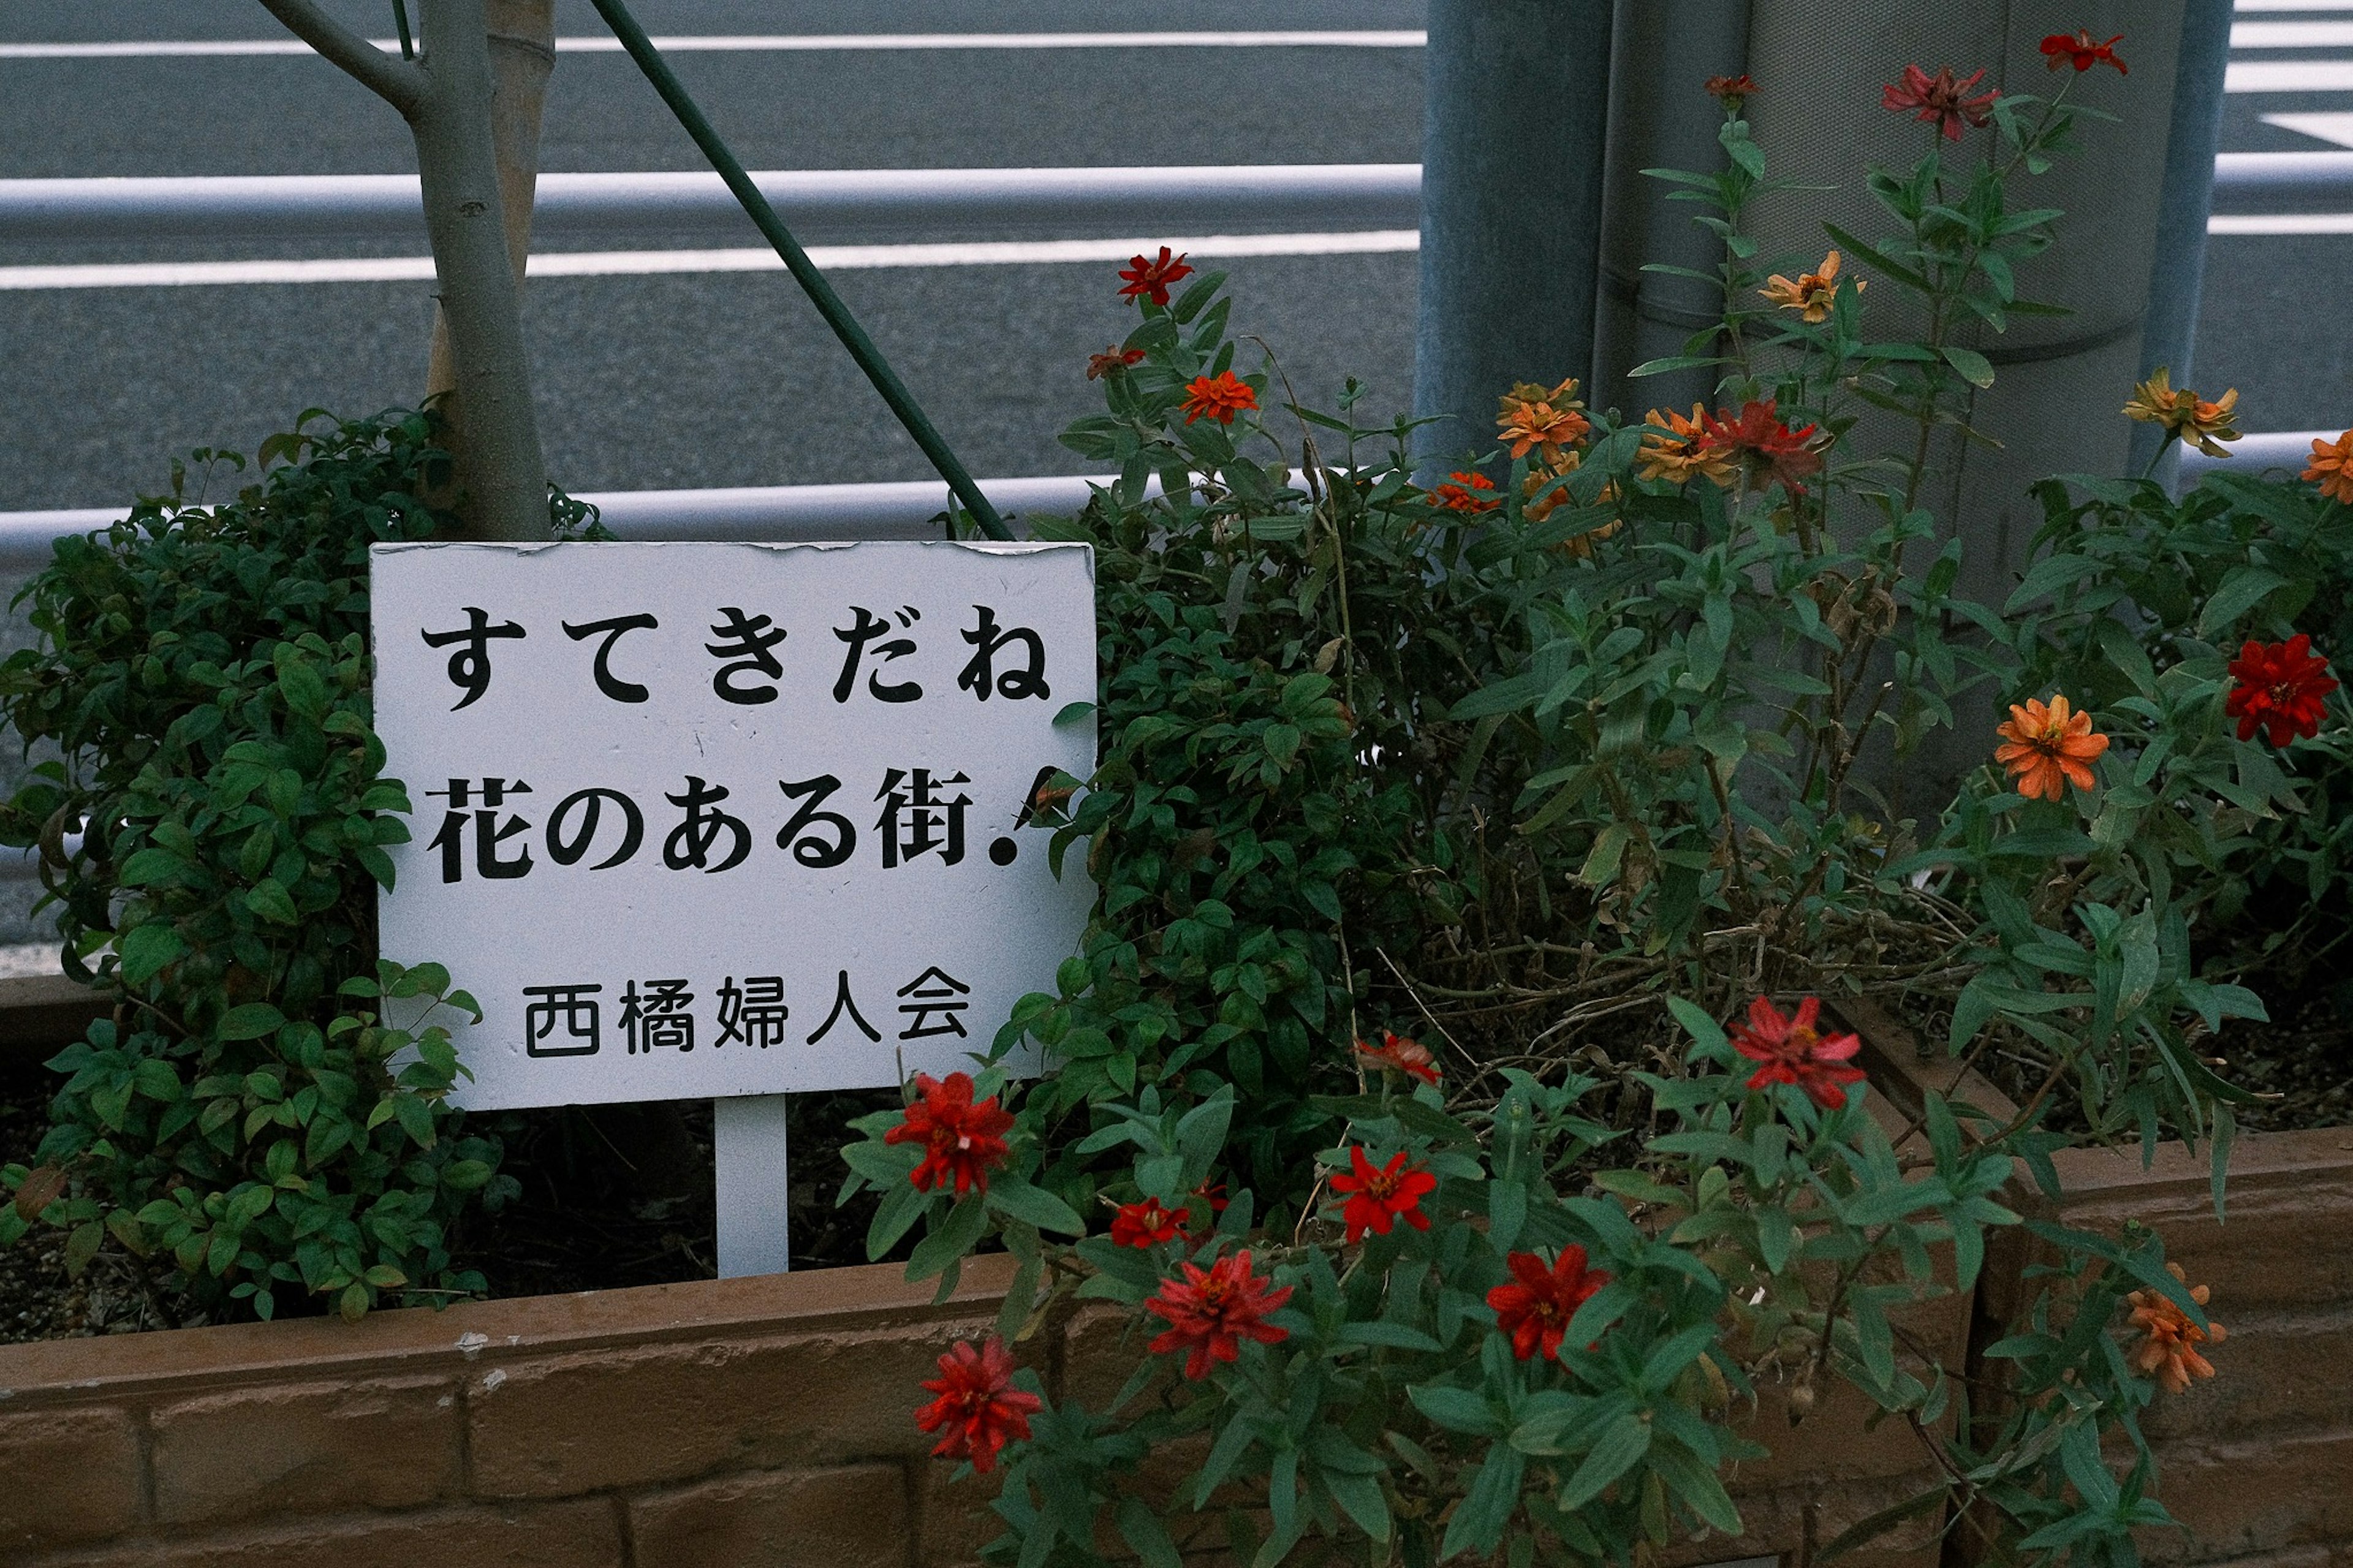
[(2242, 588), (250, 1021), (1974, 367), (1619, 1447), (150, 949), (1017, 1199)]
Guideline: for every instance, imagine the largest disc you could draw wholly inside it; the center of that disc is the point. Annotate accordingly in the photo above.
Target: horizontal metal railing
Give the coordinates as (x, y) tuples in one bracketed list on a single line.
[(772, 513), (813, 201), (820, 200), (2276, 449)]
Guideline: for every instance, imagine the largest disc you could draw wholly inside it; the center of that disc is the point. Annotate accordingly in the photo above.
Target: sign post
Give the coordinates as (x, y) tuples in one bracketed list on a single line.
[(730, 820)]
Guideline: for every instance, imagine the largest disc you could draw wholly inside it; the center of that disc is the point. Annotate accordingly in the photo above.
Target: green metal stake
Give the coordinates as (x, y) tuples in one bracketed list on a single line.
[(820, 292)]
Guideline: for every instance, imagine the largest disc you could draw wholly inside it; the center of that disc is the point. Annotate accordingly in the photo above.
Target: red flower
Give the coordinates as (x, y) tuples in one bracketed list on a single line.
[(1111, 360), (1398, 1054), (1536, 1310), (960, 1139), (1145, 276), (1211, 1312), (1730, 89), (977, 1403), (1793, 1051), (2281, 690), (1221, 399), (1766, 447), (1145, 1224), (1456, 496), (1942, 100), (2078, 50), (1379, 1198)]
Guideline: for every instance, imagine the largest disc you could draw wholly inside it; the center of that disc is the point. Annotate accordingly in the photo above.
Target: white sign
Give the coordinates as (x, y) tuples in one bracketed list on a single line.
[(699, 820)]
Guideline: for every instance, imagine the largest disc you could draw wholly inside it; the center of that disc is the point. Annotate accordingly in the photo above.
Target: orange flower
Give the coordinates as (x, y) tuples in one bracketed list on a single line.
[(1812, 294), (1766, 447), (2078, 50), (1111, 360), (1221, 399), (1676, 450), (1544, 418), (2048, 748), (2168, 1351), (2332, 467), (1149, 276), (1456, 494), (1730, 90), (2186, 414), (1791, 1050)]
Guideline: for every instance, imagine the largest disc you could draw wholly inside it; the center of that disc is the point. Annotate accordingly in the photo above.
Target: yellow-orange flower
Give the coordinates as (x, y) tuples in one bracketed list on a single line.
[(2332, 467), (2168, 1347), (1544, 418), (2185, 413), (2048, 748), (1676, 450), (1812, 294)]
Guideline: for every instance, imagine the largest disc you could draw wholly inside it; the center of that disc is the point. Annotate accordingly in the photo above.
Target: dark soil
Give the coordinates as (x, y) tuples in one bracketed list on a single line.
[(612, 1197)]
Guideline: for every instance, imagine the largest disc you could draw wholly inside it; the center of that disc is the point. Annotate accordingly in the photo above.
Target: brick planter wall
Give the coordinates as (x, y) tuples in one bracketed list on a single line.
[(748, 1423)]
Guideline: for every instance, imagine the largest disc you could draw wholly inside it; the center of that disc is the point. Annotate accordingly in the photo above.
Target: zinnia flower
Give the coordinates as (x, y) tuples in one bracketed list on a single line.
[(1150, 277), (1791, 1050), (977, 1405), (1812, 295), (1767, 449), (2332, 467), (960, 1139), (1211, 1311), (1457, 493), (1941, 100), (1730, 90), (1111, 360), (1544, 418), (1675, 449), (2185, 413), (2048, 748), (1533, 1310), (1398, 1054), (1379, 1198), (2076, 49), (2168, 1350), (2281, 691), (1221, 399), (1147, 1224)]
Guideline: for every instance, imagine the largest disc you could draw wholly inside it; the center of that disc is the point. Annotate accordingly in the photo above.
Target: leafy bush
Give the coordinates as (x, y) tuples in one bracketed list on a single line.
[(1556, 764), (246, 1117)]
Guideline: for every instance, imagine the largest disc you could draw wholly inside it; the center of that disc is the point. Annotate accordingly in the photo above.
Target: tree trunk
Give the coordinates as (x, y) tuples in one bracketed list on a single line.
[(447, 96), (522, 56)]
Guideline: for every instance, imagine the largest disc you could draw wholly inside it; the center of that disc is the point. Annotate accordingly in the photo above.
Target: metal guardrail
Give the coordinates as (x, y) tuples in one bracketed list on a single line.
[(2276, 449), (813, 201), (816, 202), (775, 514)]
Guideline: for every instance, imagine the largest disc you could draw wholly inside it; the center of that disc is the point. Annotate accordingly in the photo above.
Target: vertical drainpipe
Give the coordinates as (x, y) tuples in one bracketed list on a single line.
[(1517, 107), (1660, 116), (2191, 142)]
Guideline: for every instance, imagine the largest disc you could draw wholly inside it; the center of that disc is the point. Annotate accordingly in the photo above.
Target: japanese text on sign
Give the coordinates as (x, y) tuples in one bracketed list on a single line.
[(716, 819)]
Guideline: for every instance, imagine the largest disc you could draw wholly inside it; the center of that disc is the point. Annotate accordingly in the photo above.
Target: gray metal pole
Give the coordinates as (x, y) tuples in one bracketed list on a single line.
[(2178, 277), (1517, 105)]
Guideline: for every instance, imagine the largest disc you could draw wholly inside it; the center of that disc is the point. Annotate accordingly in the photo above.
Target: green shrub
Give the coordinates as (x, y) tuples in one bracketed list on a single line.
[(247, 1119)]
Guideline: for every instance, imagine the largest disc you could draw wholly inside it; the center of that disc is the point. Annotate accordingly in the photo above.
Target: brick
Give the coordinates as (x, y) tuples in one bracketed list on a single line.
[(2261, 1493), (67, 1476), (581, 1535), (546, 1427), (1775, 1524), (956, 1518), (1102, 1345), (307, 1449), (791, 1519)]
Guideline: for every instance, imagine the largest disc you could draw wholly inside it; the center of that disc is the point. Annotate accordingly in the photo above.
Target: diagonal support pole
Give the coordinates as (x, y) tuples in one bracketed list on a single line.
[(812, 283)]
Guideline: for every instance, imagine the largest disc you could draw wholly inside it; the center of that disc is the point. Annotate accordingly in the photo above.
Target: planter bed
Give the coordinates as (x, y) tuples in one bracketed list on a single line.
[(767, 1420)]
